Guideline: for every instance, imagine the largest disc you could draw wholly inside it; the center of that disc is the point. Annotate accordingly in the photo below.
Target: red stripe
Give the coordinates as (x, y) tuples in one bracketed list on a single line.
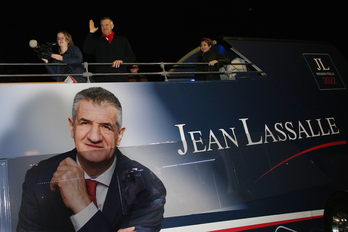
[(243, 228), (303, 152)]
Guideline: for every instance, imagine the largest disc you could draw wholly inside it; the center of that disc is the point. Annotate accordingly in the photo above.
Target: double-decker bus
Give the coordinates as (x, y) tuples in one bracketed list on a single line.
[(265, 151)]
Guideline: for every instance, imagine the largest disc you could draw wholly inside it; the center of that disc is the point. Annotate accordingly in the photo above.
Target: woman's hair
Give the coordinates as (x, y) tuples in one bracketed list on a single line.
[(207, 40), (68, 37)]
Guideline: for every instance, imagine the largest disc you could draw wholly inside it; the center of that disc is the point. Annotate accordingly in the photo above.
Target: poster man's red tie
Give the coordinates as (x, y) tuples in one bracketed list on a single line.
[(91, 189)]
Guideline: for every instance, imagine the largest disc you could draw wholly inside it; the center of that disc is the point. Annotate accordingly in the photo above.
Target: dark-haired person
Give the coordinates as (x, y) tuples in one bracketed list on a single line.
[(58, 194), (108, 48), (215, 59), (69, 54)]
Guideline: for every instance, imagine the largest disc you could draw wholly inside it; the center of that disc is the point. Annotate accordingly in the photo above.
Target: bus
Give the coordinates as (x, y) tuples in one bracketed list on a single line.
[(264, 151)]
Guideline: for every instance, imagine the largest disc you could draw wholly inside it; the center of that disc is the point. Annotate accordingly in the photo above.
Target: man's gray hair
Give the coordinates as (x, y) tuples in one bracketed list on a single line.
[(98, 96), (106, 18)]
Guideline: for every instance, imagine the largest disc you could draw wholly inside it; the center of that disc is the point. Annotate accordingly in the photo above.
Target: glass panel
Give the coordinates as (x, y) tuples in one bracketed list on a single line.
[(5, 217)]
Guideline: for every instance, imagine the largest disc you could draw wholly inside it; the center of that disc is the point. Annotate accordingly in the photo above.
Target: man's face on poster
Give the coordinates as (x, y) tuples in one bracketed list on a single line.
[(95, 131)]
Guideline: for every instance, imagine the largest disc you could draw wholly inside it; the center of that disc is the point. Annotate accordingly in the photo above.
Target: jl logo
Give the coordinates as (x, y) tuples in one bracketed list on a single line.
[(320, 64), (324, 71)]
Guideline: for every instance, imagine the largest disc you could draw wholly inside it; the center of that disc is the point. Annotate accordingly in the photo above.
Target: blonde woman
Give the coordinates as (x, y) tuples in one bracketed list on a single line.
[(69, 54)]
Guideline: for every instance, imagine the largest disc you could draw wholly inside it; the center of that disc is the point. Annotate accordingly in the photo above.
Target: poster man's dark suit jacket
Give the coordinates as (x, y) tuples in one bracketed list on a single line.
[(135, 197)]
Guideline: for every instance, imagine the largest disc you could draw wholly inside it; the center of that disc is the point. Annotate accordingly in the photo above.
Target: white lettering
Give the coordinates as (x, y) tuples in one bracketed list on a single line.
[(194, 142), (333, 126), (268, 133), (311, 129), (321, 128), (216, 141), (320, 64), (183, 140), (280, 131), (250, 142), (301, 130), (225, 134), (290, 130)]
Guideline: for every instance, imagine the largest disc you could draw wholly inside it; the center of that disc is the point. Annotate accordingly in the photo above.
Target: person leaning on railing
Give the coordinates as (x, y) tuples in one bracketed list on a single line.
[(108, 48), (213, 58), (69, 54)]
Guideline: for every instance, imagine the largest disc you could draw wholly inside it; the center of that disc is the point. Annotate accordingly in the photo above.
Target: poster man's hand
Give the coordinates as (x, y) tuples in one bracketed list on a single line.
[(69, 180), (130, 229)]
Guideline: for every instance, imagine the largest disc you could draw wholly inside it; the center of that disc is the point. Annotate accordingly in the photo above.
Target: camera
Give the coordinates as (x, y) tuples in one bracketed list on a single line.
[(43, 51)]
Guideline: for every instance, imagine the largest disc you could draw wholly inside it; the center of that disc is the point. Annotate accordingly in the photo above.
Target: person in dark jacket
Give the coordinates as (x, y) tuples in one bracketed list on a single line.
[(213, 58), (108, 48), (69, 54), (127, 196)]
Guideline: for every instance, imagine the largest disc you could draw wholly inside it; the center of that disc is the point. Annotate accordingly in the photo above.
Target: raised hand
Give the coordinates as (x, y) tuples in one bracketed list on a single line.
[(92, 28)]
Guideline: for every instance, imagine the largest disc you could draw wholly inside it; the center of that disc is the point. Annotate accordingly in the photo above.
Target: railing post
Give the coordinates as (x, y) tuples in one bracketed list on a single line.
[(164, 73), (87, 74)]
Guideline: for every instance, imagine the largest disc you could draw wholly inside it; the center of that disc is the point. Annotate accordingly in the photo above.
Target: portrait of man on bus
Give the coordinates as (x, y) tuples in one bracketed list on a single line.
[(93, 187)]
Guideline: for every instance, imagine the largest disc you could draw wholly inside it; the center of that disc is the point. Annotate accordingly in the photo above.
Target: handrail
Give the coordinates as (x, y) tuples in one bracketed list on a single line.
[(149, 63), (161, 64)]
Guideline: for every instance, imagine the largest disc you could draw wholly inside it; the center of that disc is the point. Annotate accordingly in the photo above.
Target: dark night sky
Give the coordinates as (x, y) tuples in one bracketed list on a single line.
[(165, 30)]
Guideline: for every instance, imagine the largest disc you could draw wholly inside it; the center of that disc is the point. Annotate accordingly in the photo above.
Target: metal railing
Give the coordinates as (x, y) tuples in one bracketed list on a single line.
[(163, 66)]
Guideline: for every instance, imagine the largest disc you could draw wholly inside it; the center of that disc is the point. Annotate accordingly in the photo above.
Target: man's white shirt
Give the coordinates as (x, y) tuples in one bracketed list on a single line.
[(80, 219)]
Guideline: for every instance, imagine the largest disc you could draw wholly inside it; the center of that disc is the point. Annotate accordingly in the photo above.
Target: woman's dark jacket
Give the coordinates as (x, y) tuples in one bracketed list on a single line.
[(207, 57), (73, 57)]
